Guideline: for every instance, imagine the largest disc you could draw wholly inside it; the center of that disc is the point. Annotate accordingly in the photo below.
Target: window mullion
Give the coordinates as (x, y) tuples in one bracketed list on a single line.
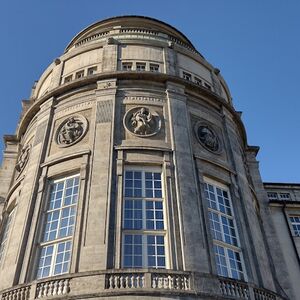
[(54, 253), (221, 227), (227, 262), (144, 251)]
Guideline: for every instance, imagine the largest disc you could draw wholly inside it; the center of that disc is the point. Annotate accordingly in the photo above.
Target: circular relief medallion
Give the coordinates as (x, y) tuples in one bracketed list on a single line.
[(208, 138), (142, 122), (71, 131), (23, 158)]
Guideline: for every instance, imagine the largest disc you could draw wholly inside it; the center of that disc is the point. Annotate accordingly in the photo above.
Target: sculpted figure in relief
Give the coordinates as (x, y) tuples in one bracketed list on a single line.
[(141, 121), (70, 132), (208, 138), (23, 158)]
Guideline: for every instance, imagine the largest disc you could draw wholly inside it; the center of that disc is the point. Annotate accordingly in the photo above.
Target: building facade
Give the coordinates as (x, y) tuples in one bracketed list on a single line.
[(130, 177)]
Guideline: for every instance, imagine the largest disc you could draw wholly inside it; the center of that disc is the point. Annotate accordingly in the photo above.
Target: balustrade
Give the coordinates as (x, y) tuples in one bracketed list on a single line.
[(53, 288)]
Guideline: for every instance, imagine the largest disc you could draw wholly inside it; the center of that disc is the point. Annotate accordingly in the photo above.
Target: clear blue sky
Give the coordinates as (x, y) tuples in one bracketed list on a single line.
[(255, 44)]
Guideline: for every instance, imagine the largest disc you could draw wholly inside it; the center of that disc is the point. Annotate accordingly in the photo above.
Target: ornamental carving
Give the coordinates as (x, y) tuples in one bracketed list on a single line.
[(208, 138), (71, 131), (141, 121), (23, 158)]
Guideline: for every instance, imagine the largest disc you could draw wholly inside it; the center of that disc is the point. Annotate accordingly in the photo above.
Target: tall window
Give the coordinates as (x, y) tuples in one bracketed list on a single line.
[(227, 250), (295, 220), (60, 216), (143, 220), (5, 233)]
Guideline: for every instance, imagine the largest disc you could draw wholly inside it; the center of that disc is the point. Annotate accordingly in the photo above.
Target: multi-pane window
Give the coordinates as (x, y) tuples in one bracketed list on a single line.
[(140, 66), (154, 68), (198, 81), (5, 233), (295, 220), (79, 74), (279, 196), (187, 76), (207, 85), (126, 66), (143, 220), (91, 71), (284, 196), (60, 217), (68, 78), (272, 196), (227, 252)]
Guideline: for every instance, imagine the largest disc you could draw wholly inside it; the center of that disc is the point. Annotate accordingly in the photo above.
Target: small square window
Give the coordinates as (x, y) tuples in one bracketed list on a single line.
[(207, 85), (68, 78), (140, 66), (126, 66), (272, 196), (198, 81), (79, 74), (187, 76), (91, 71), (284, 196), (154, 68)]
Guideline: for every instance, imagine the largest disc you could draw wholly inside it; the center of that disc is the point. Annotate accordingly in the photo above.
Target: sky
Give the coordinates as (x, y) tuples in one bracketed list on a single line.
[(255, 44)]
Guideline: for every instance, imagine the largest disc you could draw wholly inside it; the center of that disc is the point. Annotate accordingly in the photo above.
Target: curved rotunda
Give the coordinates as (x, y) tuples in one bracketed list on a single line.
[(130, 177)]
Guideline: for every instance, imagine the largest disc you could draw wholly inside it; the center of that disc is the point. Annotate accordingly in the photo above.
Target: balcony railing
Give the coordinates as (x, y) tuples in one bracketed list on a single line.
[(148, 281)]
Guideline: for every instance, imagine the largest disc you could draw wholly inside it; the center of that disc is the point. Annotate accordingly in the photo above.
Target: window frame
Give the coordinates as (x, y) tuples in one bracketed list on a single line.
[(293, 224), (154, 67), (127, 63), (144, 232), (222, 243), (68, 78), (57, 241), (92, 70), (5, 233), (79, 74), (187, 76), (139, 64)]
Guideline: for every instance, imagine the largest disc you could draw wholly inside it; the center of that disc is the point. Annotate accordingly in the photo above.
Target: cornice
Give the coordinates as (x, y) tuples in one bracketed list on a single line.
[(88, 82)]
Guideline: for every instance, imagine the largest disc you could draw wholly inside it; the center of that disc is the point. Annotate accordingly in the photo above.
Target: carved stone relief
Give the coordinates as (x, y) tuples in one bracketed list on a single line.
[(71, 131), (141, 121), (23, 158), (207, 137)]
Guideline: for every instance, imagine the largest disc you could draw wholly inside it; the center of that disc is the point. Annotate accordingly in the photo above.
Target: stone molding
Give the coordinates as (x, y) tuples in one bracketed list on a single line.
[(138, 282), (137, 99)]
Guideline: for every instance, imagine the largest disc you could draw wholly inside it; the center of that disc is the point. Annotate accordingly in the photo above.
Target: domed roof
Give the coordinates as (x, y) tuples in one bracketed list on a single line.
[(154, 26)]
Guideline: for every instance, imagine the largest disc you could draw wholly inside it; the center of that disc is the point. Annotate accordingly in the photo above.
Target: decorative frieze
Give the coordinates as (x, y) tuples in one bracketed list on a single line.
[(104, 111), (130, 99)]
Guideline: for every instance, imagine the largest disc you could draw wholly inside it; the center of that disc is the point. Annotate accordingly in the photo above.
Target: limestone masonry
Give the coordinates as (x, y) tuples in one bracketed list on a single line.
[(130, 177)]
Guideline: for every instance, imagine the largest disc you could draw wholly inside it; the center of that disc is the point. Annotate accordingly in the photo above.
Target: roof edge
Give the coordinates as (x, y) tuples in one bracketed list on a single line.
[(85, 30)]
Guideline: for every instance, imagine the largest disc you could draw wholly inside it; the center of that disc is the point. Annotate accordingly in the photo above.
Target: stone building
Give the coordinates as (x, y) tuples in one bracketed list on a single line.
[(130, 177)]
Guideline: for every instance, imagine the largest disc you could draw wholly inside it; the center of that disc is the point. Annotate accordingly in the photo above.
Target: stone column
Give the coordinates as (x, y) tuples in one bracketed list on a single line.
[(94, 251), (191, 229)]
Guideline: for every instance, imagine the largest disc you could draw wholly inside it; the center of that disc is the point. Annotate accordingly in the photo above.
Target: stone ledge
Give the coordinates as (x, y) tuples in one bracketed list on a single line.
[(155, 282)]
